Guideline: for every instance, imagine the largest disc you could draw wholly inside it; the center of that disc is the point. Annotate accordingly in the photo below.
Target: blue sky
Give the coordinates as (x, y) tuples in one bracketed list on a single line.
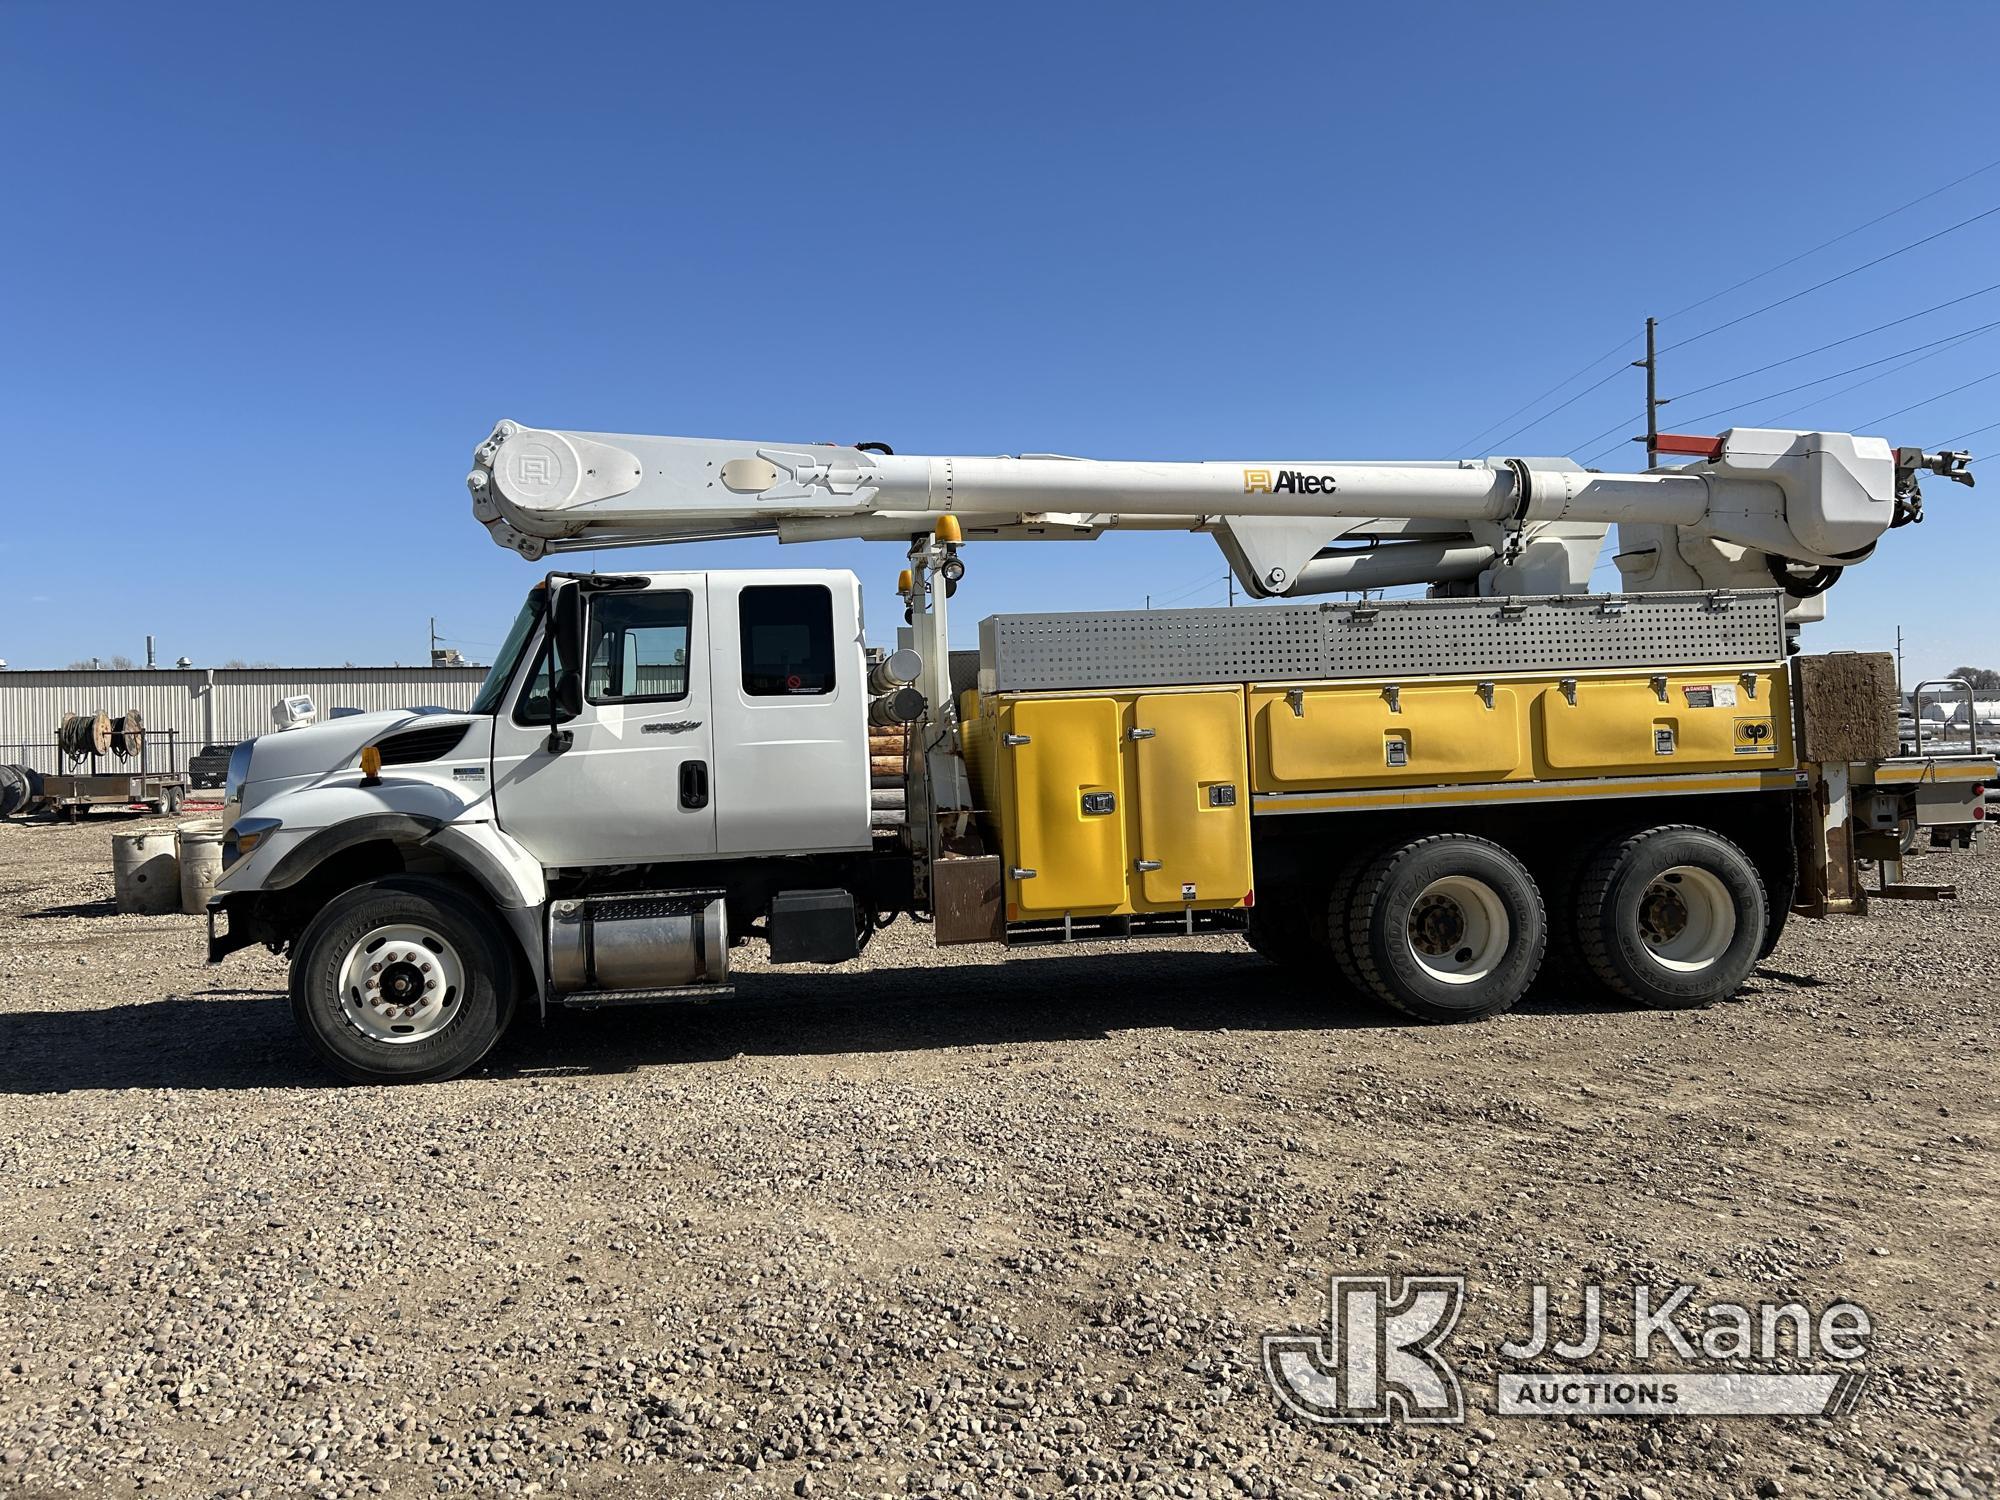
[(270, 272)]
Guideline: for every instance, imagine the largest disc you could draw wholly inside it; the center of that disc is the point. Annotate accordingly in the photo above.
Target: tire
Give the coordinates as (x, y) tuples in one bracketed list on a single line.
[(356, 1029), (1671, 918), (1565, 978), (1447, 928), (1338, 920)]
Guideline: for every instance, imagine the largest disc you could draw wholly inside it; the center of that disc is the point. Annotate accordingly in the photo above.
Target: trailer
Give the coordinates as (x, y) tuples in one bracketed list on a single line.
[(1426, 803), (149, 779)]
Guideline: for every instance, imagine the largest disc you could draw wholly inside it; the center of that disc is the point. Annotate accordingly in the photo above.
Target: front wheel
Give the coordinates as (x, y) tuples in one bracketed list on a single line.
[(403, 980), (1671, 918)]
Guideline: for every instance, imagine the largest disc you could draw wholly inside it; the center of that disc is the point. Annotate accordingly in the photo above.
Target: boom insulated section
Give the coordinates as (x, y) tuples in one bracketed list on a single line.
[(1116, 758)]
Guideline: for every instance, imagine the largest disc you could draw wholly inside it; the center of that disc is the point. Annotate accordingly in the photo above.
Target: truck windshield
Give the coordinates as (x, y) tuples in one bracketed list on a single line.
[(494, 688)]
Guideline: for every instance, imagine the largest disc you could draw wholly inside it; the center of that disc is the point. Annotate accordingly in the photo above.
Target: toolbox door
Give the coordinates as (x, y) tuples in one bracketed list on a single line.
[(1669, 722), (1063, 819), (1193, 780)]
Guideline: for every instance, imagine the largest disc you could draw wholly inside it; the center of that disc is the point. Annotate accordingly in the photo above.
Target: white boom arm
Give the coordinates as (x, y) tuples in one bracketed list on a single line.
[(1798, 498)]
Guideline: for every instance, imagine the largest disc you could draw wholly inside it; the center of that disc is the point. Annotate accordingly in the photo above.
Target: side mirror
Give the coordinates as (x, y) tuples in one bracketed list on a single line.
[(566, 694), (565, 664)]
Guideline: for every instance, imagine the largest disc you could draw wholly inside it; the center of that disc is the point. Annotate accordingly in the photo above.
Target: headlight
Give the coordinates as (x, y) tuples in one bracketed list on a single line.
[(239, 772), (244, 835)]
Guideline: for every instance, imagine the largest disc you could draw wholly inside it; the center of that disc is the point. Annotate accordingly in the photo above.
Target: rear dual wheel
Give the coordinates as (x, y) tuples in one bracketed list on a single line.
[(1454, 928), (1445, 928), (1672, 917)]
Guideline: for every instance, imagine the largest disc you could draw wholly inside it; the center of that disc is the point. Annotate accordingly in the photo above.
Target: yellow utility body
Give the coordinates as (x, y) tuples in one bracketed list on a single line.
[(1114, 803)]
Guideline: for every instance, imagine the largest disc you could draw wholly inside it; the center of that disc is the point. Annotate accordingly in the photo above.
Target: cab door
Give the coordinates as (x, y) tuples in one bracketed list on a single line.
[(791, 711), (636, 782)]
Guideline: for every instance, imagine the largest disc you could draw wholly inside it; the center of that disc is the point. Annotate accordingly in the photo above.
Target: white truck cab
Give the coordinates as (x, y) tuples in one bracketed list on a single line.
[(700, 750)]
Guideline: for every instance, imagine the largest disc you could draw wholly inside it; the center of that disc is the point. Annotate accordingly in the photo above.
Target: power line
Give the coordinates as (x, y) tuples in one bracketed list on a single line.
[(1947, 346), (1828, 244), (1793, 359), (1824, 244), (1617, 348), (1607, 433), (1818, 285), (1616, 371), (1981, 380), (1964, 435), (1209, 582), (1869, 365), (1851, 338), (1883, 375)]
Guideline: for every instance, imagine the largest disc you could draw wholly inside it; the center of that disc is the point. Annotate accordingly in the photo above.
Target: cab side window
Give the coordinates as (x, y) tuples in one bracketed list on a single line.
[(787, 638), (533, 705), (638, 647)]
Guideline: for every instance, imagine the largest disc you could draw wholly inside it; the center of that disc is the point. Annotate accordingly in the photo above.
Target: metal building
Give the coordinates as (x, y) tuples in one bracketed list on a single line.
[(209, 705)]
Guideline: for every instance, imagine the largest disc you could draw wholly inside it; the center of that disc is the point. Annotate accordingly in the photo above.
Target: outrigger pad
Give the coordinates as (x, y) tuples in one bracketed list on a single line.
[(1847, 706)]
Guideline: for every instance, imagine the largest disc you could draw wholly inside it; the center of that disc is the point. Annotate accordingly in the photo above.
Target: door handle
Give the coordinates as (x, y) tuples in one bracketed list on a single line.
[(694, 784)]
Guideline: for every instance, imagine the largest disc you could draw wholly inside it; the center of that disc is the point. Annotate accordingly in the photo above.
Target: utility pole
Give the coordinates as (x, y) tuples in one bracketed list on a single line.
[(1651, 365), (1230, 579), (433, 657), (1899, 667)]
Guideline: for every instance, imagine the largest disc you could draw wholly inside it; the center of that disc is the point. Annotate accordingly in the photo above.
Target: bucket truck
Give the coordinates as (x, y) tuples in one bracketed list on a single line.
[(1427, 802)]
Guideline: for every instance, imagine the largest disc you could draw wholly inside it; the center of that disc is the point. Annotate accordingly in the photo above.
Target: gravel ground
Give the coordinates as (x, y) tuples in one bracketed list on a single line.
[(972, 1228)]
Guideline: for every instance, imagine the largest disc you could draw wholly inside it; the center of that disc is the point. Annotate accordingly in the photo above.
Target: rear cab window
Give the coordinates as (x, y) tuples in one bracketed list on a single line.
[(787, 640)]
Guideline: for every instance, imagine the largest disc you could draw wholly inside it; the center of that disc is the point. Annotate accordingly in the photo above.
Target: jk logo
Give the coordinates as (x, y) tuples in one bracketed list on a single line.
[(1379, 1359)]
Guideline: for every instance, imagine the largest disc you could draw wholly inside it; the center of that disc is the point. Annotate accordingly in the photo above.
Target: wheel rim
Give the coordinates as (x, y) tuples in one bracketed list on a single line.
[(401, 983), (1687, 918), (1458, 929)]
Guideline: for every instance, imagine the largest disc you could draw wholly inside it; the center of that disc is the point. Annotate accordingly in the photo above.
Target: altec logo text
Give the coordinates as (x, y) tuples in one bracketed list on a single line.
[(1286, 482)]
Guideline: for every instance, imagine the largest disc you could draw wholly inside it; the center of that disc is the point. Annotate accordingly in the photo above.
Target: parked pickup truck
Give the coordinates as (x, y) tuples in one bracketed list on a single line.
[(210, 765)]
